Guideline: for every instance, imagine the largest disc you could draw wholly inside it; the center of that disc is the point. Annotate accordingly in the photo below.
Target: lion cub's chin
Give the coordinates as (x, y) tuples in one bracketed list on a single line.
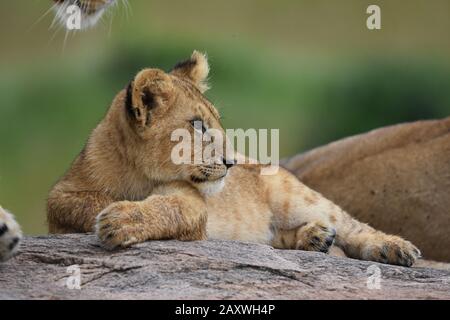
[(209, 188)]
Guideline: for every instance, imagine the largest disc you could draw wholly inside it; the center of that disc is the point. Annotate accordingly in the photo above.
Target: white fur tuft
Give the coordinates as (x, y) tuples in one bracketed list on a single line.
[(201, 70), (209, 188)]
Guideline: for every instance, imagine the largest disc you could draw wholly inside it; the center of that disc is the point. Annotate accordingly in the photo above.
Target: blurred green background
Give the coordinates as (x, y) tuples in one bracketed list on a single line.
[(310, 68)]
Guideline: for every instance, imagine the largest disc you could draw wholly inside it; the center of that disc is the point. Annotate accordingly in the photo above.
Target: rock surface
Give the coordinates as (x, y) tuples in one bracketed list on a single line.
[(203, 270), (396, 178)]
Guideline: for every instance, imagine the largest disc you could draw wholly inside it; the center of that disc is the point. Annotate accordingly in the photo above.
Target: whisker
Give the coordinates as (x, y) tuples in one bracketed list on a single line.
[(54, 35), (65, 40), (42, 17), (128, 9), (110, 23), (84, 6), (62, 7)]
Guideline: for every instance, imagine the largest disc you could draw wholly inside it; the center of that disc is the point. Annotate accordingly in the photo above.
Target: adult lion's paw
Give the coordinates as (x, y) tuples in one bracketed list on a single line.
[(10, 235), (121, 224), (391, 250)]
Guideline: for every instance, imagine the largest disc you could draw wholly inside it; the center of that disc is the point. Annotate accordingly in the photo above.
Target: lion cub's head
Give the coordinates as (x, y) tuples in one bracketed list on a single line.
[(157, 105)]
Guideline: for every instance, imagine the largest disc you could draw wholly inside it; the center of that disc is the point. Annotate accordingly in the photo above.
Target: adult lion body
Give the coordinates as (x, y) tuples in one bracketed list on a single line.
[(125, 186)]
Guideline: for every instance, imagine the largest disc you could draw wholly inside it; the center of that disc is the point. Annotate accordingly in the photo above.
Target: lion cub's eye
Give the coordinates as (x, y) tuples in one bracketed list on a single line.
[(198, 125)]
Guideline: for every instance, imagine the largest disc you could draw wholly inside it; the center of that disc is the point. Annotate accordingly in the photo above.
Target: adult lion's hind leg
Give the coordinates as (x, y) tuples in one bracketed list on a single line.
[(304, 218)]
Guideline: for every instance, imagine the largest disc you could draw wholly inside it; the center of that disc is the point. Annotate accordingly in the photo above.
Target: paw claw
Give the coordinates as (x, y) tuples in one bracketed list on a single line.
[(329, 241), (117, 225), (315, 237), (393, 250)]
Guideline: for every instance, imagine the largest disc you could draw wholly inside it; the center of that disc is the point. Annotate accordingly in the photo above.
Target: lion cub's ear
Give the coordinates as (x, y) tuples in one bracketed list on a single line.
[(196, 69), (150, 89)]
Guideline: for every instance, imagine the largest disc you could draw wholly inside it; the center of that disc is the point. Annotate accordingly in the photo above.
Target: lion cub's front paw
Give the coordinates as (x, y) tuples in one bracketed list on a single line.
[(315, 237), (391, 250), (121, 224)]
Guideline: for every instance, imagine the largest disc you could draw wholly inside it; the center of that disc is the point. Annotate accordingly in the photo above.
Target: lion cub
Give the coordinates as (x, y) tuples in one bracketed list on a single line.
[(125, 187)]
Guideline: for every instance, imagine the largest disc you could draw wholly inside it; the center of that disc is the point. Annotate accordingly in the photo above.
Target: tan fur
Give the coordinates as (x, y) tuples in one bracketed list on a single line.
[(124, 185), (395, 178)]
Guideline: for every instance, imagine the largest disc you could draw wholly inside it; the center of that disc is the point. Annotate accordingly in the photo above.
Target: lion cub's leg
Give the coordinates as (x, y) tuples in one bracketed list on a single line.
[(294, 204), (311, 236), (72, 212), (175, 211)]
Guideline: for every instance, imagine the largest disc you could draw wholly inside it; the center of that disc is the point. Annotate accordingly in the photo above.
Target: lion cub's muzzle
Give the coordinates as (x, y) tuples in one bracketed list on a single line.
[(210, 179), (212, 172)]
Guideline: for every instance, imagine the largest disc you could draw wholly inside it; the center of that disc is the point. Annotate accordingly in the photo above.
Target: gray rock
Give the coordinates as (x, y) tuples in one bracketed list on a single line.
[(203, 270)]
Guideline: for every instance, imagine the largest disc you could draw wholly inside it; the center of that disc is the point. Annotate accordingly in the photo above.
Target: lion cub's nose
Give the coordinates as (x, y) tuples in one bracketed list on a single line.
[(228, 163)]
